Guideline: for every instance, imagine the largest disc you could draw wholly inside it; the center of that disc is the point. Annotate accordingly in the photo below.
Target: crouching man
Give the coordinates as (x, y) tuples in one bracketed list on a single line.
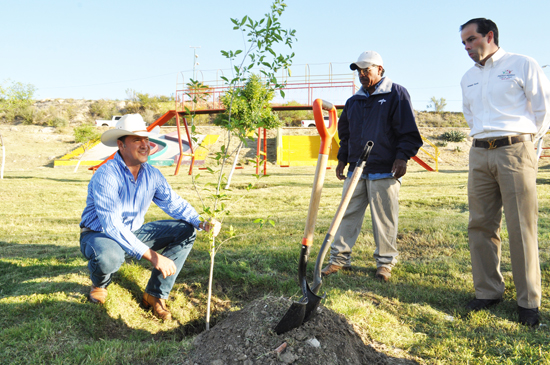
[(112, 228)]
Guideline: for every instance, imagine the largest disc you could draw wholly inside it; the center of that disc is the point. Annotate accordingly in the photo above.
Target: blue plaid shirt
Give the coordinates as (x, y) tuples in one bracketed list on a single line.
[(116, 203)]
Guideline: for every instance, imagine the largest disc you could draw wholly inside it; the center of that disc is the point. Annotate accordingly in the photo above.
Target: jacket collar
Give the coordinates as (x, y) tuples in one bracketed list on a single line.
[(384, 87)]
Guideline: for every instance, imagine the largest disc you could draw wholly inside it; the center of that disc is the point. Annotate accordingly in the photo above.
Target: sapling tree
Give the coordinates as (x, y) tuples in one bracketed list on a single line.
[(262, 37)]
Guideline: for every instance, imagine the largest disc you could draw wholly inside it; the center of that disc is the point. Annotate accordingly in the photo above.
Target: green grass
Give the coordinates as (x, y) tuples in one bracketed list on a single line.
[(46, 317)]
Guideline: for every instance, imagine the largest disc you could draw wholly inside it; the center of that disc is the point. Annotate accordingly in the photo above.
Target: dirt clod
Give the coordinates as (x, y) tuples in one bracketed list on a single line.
[(247, 337)]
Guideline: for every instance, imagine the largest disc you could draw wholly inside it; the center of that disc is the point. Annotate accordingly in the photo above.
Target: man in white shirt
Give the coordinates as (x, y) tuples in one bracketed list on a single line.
[(506, 99)]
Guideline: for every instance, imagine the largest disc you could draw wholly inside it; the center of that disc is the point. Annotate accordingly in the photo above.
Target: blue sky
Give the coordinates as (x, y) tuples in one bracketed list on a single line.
[(86, 49)]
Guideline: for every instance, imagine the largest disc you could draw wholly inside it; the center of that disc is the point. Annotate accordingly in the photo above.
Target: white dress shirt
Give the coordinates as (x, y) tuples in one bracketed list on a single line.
[(509, 95)]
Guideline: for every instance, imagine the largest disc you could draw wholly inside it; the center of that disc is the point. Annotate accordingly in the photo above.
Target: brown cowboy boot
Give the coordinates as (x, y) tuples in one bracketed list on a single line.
[(98, 295), (159, 306)]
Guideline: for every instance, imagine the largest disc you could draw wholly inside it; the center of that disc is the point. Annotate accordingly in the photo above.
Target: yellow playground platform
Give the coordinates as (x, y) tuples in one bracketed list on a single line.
[(303, 150)]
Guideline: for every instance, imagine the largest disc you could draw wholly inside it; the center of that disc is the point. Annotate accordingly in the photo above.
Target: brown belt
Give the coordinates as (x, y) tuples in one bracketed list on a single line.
[(85, 229), (500, 142)]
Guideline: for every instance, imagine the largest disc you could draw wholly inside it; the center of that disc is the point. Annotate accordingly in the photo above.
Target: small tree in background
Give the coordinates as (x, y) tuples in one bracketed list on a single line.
[(16, 99), (87, 135), (437, 104), (250, 110)]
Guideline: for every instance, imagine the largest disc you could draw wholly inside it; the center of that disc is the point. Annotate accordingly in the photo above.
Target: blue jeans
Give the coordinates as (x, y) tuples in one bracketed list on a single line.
[(105, 256)]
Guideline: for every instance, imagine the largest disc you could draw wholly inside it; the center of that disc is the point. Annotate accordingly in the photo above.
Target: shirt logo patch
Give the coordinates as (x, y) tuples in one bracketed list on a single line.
[(382, 101), (506, 75)]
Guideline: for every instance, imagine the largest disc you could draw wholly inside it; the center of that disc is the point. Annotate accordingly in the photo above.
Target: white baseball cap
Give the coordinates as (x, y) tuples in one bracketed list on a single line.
[(128, 125), (367, 59)]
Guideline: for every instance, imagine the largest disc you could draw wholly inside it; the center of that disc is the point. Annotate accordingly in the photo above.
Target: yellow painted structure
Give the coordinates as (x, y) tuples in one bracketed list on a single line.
[(71, 158), (202, 151), (435, 155), (63, 163), (303, 150)]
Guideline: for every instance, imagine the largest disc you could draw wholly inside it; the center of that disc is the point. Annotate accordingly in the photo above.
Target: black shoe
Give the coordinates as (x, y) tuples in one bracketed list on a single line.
[(529, 316), (479, 304)]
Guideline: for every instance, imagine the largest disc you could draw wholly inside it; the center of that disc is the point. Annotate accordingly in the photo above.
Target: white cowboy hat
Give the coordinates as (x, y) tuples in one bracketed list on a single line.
[(128, 125)]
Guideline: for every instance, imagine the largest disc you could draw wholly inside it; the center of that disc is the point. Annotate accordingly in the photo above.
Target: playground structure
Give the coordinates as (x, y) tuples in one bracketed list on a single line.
[(291, 150)]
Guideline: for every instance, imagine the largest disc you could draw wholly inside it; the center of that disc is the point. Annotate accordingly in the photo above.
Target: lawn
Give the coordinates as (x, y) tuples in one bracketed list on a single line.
[(45, 316)]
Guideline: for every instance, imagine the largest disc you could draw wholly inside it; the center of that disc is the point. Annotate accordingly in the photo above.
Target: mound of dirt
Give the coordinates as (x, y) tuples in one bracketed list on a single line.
[(247, 337)]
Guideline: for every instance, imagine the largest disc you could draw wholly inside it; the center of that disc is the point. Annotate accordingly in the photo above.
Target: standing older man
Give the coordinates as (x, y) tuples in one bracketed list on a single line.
[(119, 194), (380, 111), (506, 98)]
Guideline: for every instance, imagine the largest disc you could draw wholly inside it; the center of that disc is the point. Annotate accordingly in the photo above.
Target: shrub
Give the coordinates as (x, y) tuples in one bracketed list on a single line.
[(57, 121), (85, 133), (454, 136), (16, 101), (104, 109), (292, 118)]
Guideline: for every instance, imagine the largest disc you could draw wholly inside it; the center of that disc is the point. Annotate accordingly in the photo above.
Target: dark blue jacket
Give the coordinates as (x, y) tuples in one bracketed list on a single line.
[(386, 117)]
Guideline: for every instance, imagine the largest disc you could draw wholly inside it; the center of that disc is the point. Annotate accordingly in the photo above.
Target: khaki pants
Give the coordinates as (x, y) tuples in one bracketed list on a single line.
[(382, 196), (504, 177)]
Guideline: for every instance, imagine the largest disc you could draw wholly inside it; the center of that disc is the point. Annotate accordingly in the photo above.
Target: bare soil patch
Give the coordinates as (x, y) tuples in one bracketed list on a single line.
[(247, 337)]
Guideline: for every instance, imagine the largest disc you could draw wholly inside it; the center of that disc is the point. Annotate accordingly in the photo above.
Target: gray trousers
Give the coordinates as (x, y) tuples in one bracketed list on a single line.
[(382, 196), (504, 177)]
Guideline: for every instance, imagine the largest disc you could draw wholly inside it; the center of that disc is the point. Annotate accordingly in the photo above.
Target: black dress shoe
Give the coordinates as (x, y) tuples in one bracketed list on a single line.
[(529, 316), (479, 304)]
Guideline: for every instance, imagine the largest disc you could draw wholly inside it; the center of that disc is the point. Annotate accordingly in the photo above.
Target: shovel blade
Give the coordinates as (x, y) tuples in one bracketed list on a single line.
[(312, 304), (299, 312), (293, 318)]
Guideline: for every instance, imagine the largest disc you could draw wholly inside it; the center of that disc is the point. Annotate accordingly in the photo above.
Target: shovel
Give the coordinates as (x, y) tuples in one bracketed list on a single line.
[(297, 311), (338, 218), (303, 310)]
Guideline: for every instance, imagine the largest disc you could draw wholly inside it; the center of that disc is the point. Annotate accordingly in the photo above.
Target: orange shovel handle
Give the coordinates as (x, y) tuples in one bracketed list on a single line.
[(326, 133)]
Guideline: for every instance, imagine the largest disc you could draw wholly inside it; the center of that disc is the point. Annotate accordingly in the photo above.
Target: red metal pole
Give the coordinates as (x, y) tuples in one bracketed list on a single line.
[(179, 143), (265, 152), (258, 153), (190, 145)]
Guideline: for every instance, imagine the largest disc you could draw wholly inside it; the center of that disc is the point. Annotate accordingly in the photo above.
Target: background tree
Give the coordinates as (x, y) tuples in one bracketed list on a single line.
[(251, 110), (87, 135), (16, 99), (437, 104)]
